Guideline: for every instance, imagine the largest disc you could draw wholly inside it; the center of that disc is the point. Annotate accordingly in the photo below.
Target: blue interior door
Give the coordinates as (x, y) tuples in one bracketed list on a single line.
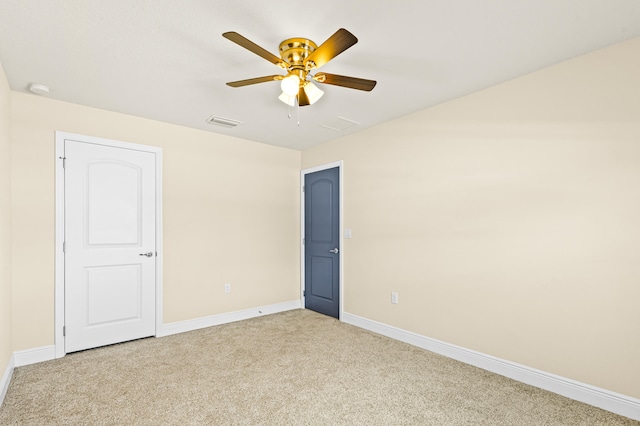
[(322, 238)]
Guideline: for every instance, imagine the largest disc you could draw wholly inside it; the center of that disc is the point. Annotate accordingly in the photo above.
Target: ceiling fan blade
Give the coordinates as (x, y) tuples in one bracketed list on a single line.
[(303, 99), (340, 41), (256, 80), (249, 45), (344, 81)]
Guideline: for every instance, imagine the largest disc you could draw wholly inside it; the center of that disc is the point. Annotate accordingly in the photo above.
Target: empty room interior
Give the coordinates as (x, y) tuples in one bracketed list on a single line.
[(487, 175)]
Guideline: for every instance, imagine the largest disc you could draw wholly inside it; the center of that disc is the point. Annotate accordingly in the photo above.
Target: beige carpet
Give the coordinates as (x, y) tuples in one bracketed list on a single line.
[(293, 368)]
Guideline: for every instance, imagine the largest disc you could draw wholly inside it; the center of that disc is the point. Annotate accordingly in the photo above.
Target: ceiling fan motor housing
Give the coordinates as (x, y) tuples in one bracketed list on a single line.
[(294, 51)]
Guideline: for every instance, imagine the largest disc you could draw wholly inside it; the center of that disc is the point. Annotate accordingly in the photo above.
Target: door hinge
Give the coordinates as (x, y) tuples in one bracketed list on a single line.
[(303, 241), (64, 330), (302, 188), (304, 293), (64, 161), (64, 246)]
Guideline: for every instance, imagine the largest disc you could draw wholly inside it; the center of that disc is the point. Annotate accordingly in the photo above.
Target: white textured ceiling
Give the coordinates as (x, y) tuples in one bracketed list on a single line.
[(167, 60)]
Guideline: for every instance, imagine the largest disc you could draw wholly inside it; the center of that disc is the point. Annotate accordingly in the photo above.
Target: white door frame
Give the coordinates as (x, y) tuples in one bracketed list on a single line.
[(339, 165), (59, 228)]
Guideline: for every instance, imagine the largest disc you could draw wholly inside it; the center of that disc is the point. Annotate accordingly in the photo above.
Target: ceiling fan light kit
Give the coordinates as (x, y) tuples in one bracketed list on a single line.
[(289, 100), (313, 92), (290, 85), (300, 56)]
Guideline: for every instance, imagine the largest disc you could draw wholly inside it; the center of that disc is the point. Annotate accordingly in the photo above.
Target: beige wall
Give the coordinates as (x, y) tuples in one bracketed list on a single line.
[(230, 210), (6, 347), (508, 221)]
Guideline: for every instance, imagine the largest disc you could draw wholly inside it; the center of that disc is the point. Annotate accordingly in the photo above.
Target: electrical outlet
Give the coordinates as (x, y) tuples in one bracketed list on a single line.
[(394, 297), (227, 288)]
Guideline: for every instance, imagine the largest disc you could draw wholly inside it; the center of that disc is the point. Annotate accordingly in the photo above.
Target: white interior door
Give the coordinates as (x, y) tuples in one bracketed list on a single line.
[(110, 245)]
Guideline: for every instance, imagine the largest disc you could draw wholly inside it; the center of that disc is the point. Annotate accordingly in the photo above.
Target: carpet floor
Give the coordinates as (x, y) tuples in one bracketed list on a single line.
[(291, 368)]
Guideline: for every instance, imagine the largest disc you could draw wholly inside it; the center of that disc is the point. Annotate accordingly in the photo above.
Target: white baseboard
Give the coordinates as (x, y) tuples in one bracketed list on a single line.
[(47, 353), (32, 356), (195, 324), (616, 403), (6, 379)]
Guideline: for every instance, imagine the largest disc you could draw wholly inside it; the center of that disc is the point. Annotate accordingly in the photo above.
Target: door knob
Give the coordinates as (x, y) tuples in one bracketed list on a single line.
[(334, 251), (148, 254)]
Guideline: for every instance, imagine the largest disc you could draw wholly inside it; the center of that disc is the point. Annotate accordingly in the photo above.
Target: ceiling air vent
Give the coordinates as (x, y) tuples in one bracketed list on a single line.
[(339, 124), (224, 122)]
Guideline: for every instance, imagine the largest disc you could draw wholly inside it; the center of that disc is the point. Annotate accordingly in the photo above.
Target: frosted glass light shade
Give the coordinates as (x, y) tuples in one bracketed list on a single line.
[(289, 100), (290, 85), (313, 93)]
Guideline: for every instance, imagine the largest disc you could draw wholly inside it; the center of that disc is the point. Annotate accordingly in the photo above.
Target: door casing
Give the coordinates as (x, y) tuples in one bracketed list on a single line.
[(59, 282), (339, 165)]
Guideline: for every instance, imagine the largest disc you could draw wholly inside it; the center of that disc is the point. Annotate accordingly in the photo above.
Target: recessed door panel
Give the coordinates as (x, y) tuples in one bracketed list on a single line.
[(113, 211), (113, 294), (321, 220), (321, 273)]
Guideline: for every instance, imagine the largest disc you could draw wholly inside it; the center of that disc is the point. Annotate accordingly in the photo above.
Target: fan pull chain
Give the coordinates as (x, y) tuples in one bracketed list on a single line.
[(297, 106)]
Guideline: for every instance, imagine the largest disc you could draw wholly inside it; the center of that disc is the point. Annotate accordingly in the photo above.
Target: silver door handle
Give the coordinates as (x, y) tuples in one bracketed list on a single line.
[(148, 254), (334, 251)]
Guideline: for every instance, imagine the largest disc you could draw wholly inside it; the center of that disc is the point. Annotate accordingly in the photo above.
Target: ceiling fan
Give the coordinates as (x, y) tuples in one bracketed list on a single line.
[(300, 56)]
